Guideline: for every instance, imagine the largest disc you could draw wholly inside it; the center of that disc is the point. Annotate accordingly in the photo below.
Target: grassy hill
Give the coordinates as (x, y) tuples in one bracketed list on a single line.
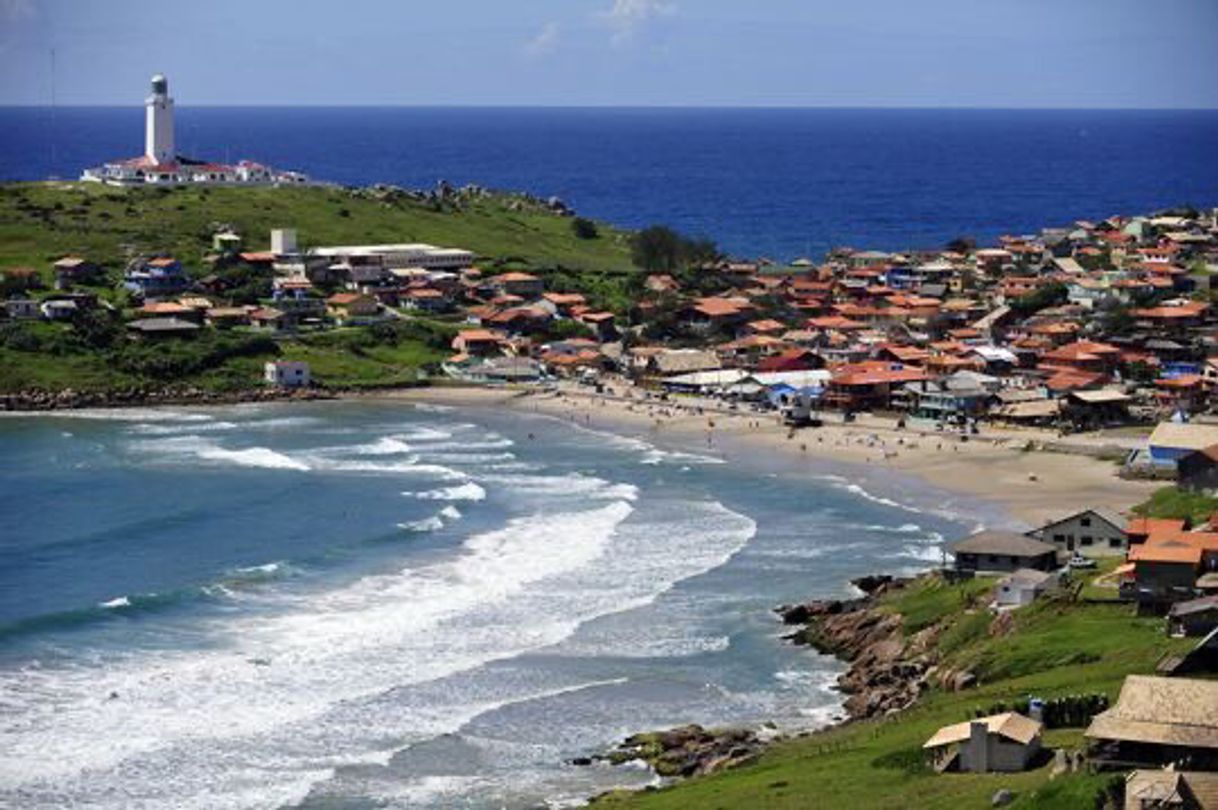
[(1054, 648), (40, 222)]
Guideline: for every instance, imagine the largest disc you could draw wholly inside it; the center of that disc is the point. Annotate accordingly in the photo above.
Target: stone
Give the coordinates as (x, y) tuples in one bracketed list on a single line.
[(1002, 798)]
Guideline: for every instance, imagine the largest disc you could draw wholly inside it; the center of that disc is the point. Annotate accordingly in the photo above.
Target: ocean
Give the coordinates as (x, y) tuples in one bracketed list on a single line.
[(365, 604), (781, 183)]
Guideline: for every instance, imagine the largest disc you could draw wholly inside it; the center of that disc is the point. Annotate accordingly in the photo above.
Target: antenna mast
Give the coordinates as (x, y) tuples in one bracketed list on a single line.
[(53, 120)]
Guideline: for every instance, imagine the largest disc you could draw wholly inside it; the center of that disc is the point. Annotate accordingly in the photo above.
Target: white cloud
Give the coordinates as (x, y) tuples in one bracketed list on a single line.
[(545, 41), (627, 17)]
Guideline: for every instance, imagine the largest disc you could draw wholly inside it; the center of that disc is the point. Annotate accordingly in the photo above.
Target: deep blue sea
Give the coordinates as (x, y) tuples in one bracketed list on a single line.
[(388, 605), (780, 182)]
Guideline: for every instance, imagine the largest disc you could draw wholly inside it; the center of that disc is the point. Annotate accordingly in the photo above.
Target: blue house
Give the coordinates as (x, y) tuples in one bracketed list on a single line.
[(1171, 441), (156, 277)]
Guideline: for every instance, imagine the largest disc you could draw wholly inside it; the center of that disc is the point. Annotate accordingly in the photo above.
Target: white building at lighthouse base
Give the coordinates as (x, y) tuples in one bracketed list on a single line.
[(160, 165)]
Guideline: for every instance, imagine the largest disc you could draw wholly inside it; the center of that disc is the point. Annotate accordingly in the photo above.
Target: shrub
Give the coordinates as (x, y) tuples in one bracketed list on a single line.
[(584, 228)]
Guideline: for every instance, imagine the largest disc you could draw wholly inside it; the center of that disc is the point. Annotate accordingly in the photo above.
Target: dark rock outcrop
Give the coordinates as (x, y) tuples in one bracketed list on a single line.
[(689, 750), (888, 670)]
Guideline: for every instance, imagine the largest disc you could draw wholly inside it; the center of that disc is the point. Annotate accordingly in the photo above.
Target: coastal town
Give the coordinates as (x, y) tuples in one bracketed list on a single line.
[(1077, 366), (1096, 339)]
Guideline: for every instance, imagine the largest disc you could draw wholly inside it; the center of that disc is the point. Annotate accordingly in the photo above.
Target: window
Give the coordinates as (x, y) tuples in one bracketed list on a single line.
[(1085, 522), (1114, 542), (1059, 538), (1086, 540)]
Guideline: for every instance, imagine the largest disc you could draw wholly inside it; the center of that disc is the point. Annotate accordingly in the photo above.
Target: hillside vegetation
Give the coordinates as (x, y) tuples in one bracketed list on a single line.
[(1053, 648), (41, 222)]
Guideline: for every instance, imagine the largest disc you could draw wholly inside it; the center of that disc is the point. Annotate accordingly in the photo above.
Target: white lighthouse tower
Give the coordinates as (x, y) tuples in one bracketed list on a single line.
[(158, 127)]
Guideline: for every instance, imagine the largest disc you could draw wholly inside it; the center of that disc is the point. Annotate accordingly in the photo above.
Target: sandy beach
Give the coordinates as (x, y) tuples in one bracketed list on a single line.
[(1031, 486)]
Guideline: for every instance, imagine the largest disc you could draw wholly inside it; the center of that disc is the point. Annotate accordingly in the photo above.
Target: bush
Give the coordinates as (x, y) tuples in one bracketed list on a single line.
[(661, 249), (19, 337), (178, 359), (584, 228)]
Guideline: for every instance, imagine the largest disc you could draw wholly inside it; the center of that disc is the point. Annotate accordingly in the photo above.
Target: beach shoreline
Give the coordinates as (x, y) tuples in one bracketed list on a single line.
[(1029, 486)]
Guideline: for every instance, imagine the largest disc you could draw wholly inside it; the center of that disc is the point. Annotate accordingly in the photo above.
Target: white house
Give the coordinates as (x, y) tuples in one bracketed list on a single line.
[(288, 373), (1021, 587), (1002, 742), (1091, 532)]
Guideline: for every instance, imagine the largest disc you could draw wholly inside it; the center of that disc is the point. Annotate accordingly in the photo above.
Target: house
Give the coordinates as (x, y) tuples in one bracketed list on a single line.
[(794, 359), (1170, 789), (287, 373), (1198, 470), (707, 313), (1164, 571), (993, 550), (227, 317), (1092, 410), (522, 284), (867, 385), (73, 270), (1091, 532), (268, 319), (156, 277), (21, 309), (426, 299), (58, 309), (346, 306), (1158, 721), (962, 396), (1004, 743), (1196, 617), (1171, 441), (478, 342), (682, 361), (1021, 587)]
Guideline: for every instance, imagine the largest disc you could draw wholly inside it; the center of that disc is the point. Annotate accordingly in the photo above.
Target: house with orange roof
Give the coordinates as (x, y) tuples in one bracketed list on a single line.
[(479, 342), (561, 303), (793, 359), (525, 285), (765, 326), (1165, 569), (1082, 356), (869, 384), (1177, 316), (346, 306), (835, 323), (710, 312)]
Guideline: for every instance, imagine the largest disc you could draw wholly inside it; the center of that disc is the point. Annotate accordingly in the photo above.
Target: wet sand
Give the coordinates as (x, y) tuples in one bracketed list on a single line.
[(1032, 486)]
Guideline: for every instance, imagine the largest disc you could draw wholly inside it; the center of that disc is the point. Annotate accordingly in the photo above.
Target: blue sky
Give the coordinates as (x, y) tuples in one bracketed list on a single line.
[(859, 53)]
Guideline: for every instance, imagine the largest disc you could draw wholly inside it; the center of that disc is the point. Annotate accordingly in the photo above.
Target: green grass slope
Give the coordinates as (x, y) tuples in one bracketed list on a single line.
[(42, 221), (1054, 648)]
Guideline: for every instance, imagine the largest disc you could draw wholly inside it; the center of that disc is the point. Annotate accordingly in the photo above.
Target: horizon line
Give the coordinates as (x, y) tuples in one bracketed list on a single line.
[(544, 106)]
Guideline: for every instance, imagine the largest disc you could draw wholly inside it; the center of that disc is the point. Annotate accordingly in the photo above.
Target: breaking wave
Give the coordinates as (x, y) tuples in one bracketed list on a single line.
[(469, 491)]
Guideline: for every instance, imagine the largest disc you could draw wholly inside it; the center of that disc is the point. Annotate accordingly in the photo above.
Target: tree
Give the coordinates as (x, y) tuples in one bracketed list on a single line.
[(660, 249), (1047, 296), (962, 244), (657, 249), (584, 228)]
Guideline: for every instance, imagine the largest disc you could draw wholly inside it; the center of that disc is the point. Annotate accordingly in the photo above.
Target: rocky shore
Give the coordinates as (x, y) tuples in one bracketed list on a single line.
[(67, 399), (888, 670), (688, 750)]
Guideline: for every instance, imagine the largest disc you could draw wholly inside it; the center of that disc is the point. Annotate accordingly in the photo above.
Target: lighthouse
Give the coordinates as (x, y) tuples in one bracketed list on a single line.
[(160, 164), (158, 127)]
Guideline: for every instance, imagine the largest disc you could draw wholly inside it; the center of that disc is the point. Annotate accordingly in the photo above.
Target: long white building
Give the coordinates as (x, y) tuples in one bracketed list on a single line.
[(161, 165)]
